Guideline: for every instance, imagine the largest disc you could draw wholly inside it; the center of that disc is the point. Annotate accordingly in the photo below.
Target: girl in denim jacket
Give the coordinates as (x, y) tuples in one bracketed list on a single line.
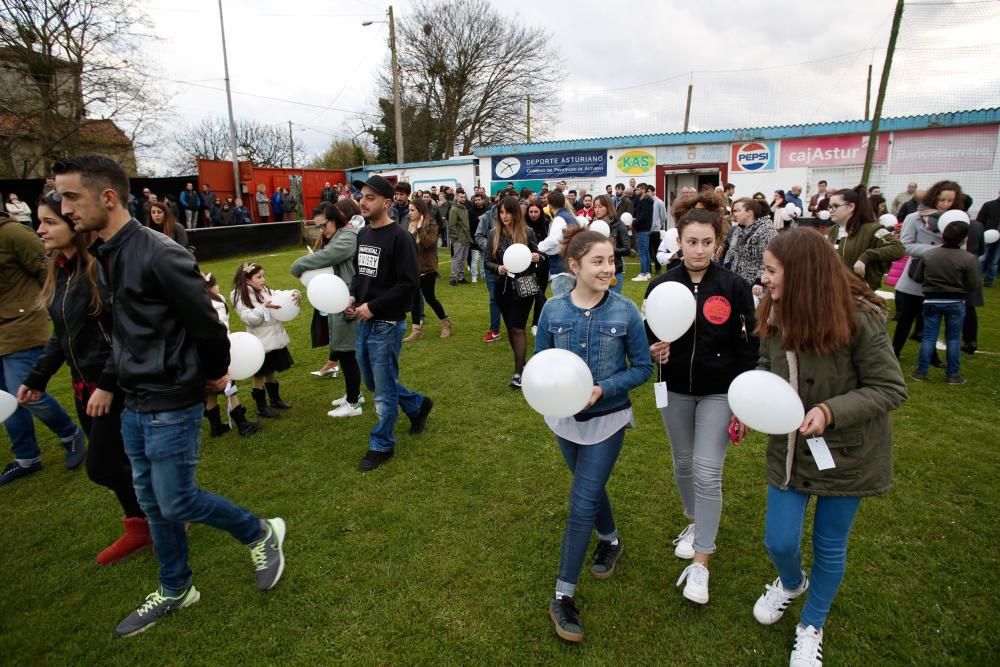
[(605, 330)]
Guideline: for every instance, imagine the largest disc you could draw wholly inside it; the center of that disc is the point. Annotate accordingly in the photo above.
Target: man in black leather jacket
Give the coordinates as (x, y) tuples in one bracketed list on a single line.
[(169, 347)]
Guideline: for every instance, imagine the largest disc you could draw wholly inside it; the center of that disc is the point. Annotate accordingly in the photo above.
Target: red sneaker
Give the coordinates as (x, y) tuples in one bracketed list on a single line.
[(491, 337), (136, 538)]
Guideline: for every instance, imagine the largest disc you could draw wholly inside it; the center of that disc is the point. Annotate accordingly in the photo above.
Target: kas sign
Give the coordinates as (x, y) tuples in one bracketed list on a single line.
[(755, 156), (635, 162), (551, 166)]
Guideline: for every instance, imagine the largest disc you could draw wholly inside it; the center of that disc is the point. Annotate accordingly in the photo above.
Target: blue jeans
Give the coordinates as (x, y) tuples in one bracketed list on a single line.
[(491, 279), (377, 347), (589, 506), (989, 262), (619, 277), (786, 512), (954, 317), (14, 370), (642, 247), (163, 449)]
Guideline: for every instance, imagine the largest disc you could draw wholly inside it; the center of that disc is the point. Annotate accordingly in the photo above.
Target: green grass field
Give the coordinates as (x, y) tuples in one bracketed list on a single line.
[(448, 554)]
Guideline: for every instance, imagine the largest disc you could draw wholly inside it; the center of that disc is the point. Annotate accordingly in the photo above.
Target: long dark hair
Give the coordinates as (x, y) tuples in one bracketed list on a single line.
[(518, 228), (85, 261), (241, 284), (858, 196), (169, 220), (332, 213)]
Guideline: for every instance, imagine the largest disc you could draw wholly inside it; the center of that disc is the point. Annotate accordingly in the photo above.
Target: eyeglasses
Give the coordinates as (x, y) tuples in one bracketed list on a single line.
[(834, 207)]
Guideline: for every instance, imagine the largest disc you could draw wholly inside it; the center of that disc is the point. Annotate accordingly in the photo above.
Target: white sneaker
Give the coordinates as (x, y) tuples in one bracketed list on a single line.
[(475, 279), (808, 650), (696, 588), (534, 330), (685, 543), (641, 278), (346, 410), (343, 401), (772, 604)]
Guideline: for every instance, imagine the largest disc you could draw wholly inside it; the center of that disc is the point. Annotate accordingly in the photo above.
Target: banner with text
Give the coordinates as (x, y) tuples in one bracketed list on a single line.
[(944, 149), (831, 151), (550, 166)]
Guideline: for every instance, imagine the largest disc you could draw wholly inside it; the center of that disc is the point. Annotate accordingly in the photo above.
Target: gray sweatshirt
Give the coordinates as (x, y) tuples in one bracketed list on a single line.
[(917, 240)]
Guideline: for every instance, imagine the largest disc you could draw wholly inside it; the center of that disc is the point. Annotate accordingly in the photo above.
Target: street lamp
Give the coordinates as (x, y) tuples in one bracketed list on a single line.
[(395, 84)]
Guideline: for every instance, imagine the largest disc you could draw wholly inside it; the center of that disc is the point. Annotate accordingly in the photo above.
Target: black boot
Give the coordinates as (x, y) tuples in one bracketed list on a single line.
[(215, 421), (272, 392), (260, 398), (245, 427)]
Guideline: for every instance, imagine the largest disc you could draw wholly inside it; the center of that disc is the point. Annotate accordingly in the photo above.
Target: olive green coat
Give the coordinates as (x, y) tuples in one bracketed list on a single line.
[(874, 245), (861, 384), (338, 255), (23, 323)]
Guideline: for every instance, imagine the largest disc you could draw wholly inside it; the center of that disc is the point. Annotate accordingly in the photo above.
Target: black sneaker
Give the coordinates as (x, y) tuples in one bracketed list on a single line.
[(566, 619), (515, 381), (373, 459), (970, 348), (418, 423), (956, 379), (267, 555), (16, 471), (156, 606), (937, 363), (453, 282), (918, 376), (605, 558)]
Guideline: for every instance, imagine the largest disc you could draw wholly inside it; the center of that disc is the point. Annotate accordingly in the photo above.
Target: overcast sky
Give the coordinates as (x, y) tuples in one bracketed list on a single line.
[(626, 64)]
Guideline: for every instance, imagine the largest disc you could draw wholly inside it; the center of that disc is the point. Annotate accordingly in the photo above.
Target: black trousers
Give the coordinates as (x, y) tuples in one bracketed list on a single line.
[(909, 309), (427, 282), (107, 463), (352, 373)]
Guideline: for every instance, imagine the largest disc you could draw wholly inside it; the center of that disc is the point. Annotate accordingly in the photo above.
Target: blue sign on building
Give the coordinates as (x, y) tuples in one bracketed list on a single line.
[(550, 166)]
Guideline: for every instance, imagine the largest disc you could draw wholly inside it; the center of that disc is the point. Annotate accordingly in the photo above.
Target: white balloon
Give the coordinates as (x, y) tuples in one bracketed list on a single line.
[(951, 216), (557, 383), (246, 355), (765, 402), (517, 258), (328, 293), (888, 220), (792, 210), (991, 236), (673, 241), (627, 219), (823, 215), (583, 221), (289, 309), (670, 310), (600, 227), (307, 276), (8, 404)]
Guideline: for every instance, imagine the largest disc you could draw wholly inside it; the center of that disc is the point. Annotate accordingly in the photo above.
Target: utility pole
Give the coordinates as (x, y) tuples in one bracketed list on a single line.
[(291, 143), (868, 94), (687, 108), (395, 88), (229, 101), (883, 84), (529, 119)]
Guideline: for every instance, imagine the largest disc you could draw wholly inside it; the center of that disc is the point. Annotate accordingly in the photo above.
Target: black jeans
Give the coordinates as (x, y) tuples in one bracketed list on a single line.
[(352, 373), (107, 463), (908, 309), (970, 329), (427, 282)]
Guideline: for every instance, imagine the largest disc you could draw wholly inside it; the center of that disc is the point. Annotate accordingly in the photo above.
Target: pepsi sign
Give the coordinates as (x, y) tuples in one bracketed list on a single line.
[(754, 156)]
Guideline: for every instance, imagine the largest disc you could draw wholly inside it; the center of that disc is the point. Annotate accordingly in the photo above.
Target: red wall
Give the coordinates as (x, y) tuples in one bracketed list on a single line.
[(218, 174)]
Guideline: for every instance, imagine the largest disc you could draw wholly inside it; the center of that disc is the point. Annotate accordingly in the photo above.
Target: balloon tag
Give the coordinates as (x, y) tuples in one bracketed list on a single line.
[(660, 392), (821, 453), (231, 389)]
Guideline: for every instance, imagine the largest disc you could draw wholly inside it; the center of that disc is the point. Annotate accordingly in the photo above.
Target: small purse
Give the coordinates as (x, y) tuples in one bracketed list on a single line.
[(526, 285)]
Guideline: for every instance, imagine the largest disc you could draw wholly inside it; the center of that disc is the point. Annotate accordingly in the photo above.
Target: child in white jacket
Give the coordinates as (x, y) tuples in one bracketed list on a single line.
[(252, 299), (237, 412)]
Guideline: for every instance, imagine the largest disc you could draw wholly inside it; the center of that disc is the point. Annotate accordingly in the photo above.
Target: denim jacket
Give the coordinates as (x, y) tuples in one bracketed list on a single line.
[(604, 337)]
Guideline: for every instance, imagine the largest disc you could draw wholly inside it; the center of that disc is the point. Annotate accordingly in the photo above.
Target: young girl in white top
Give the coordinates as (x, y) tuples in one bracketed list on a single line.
[(237, 412), (252, 298)]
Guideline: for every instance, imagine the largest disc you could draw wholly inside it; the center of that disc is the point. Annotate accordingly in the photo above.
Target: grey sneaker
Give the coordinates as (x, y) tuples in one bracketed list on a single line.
[(605, 558), (153, 609), (76, 450), (268, 558)]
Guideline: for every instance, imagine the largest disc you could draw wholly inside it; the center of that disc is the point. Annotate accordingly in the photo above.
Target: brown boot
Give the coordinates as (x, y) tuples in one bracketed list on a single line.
[(415, 334), (446, 328)]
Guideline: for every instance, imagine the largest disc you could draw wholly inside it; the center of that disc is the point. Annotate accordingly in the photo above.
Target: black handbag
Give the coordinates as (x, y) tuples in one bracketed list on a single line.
[(526, 285)]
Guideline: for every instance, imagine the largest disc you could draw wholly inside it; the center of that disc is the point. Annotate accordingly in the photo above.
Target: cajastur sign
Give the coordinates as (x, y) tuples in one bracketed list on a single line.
[(831, 151)]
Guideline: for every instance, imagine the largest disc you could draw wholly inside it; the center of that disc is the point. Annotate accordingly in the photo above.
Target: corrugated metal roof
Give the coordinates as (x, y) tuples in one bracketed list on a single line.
[(414, 165), (949, 119)]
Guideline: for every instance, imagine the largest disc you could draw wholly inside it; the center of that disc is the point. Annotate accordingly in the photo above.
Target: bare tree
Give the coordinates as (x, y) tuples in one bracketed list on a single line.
[(467, 71), (65, 63), (263, 145)]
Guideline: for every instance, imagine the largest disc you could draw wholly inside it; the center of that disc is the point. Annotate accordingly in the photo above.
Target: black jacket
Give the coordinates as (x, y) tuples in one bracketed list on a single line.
[(80, 339), (720, 345), (643, 219), (167, 338), (623, 246)]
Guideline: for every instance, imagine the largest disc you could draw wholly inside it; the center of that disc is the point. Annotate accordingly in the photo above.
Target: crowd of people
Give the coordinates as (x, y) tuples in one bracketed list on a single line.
[(774, 290)]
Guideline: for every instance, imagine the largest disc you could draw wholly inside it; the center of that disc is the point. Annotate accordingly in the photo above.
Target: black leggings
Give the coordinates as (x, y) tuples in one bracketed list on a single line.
[(543, 282), (352, 373), (909, 309), (427, 282), (107, 463)]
